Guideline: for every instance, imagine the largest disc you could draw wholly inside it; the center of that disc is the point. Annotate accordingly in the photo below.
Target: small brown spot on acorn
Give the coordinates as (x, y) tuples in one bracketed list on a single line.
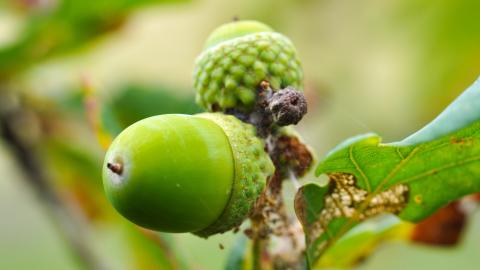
[(116, 168)]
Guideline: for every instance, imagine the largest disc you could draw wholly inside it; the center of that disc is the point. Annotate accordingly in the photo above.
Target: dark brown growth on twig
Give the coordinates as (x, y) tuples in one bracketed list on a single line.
[(273, 109), (269, 217), (288, 106), (291, 155)]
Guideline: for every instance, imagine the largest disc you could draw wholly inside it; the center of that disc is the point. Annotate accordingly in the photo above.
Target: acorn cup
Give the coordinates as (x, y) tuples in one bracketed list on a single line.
[(186, 173), (237, 57)]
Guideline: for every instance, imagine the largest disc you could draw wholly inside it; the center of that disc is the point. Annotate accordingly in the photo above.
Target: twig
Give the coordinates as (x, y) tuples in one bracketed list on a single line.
[(291, 158), (294, 180), (257, 252)]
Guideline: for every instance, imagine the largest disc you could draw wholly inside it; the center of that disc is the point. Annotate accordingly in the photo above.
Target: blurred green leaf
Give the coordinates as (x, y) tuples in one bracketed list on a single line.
[(137, 102), (68, 157), (152, 250), (361, 241), (448, 35), (237, 258), (55, 27), (412, 178)]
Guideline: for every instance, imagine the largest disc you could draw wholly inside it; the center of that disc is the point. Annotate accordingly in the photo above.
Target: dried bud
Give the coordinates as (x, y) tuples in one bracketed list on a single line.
[(288, 106)]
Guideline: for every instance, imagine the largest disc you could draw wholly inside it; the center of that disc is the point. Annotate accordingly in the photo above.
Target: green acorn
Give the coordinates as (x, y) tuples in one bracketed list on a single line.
[(186, 173), (237, 57)]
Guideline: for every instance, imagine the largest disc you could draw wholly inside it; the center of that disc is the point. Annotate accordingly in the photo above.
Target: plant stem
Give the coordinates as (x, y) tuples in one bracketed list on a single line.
[(257, 252)]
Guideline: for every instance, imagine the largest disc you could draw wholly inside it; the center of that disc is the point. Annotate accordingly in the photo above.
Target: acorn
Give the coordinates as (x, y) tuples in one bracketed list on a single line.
[(237, 57), (186, 173)]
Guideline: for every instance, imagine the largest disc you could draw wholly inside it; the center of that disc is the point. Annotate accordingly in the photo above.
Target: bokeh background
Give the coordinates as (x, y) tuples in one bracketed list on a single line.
[(66, 65)]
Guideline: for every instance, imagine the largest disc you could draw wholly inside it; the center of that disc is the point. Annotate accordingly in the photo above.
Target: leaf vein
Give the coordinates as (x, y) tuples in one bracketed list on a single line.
[(360, 171), (439, 169)]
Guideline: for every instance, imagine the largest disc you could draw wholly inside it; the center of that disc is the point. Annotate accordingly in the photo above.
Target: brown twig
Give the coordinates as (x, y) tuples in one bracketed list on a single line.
[(274, 109)]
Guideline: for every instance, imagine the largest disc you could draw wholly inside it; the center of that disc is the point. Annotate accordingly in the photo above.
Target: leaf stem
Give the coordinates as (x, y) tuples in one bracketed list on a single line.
[(257, 251)]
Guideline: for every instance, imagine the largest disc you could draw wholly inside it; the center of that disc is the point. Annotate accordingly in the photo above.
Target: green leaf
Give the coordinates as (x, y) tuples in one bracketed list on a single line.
[(107, 118), (153, 250), (412, 178), (136, 102), (462, 112), (237, 258), (62, 26), (364, 239), (68, 158)]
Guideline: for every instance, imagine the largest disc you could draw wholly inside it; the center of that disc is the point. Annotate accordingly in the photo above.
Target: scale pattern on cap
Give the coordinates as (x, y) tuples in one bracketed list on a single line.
[(252, 168), (227, 75)]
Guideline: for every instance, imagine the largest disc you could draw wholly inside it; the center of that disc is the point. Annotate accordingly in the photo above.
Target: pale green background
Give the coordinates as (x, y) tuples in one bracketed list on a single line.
[(381, 66)]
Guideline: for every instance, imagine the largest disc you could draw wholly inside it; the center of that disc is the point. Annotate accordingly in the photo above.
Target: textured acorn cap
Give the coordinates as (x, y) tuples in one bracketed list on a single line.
[(238, 56), (252, 168)]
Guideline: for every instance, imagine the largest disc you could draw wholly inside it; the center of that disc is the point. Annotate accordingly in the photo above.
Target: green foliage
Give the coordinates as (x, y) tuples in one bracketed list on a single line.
[(136, 102), (73, 159), (60, 26), (237, 258), (412, 178), (442, 28), (152, 250), (361, 241), (463, 111)]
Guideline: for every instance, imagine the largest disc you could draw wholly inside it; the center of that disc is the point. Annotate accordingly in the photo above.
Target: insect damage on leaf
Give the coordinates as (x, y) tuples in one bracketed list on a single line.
[(412, 178), (346, 200)]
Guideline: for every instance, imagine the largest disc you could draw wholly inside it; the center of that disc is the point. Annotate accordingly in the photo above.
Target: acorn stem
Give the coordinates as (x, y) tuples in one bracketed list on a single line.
[(116, 168)]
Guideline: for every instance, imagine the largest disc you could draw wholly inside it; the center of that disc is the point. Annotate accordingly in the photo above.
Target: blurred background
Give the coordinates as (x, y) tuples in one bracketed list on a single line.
[(73, 71)]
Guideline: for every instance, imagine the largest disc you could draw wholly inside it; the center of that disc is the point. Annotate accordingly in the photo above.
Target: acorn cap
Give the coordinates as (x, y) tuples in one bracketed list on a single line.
[(238, 56), (252, 168)]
